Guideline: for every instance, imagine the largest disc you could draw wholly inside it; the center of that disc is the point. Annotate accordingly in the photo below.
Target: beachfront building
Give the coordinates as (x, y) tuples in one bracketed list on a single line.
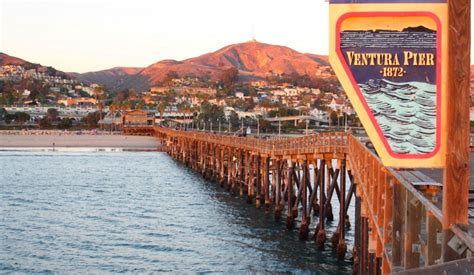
[(138, 118)]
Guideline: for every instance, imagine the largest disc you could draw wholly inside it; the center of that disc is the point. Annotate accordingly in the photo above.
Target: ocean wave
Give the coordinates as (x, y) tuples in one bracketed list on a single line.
[(405, 112)]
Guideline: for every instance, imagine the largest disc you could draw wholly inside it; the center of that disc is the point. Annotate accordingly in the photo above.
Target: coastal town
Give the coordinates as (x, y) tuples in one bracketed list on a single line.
[(33, 96), (42, 98)]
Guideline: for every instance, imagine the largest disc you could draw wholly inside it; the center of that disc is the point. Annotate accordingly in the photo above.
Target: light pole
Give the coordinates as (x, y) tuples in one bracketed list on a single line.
[(229, 125), (210, 128), (242, 127), (279, 128), (307, 122), (346, 120), (219, 120), (258, 127)]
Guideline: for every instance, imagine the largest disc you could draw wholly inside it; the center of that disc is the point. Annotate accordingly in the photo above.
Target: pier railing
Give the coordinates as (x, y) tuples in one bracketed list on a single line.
[(398, 212), (335, 142), (402, 209)]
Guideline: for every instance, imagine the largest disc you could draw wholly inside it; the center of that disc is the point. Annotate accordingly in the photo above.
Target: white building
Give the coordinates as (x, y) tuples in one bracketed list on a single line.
[(239, 95)]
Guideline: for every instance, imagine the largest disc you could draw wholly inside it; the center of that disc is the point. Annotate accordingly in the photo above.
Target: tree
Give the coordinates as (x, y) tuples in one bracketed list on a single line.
[(3, 113), (140, 105), (22, 117), (333, 118), (44, 123), (162, 107), (234, 119), (99, 93), (211, 113), (65, 123), (282, 112), (7, 98), (91, 119), (52, 114), (122, 95), (265, 125), (170, 75), (229, 77)]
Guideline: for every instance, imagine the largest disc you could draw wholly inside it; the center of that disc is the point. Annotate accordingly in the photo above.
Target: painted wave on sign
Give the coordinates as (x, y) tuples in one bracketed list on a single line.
[(405, 112)]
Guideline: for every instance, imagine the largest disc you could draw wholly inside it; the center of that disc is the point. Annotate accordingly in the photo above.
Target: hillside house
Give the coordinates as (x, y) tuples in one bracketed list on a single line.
[(337, 104)]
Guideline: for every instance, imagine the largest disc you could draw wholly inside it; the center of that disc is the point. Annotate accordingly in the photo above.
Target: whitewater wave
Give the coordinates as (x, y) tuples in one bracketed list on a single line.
[(406, 113)]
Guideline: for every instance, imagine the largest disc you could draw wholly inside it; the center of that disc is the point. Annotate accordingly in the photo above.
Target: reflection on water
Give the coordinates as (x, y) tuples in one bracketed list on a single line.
[(137, 212)]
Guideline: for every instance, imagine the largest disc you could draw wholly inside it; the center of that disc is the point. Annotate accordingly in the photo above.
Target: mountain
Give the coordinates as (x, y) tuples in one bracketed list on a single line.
[(113, 78), (253, 59), (321, 59), (6, 59)]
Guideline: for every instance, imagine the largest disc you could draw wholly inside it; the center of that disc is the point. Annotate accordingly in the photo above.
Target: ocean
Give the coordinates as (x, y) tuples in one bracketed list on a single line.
[(110, 212)]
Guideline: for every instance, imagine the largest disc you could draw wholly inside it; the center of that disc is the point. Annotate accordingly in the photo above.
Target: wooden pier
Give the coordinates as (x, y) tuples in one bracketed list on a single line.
[(398, 216)]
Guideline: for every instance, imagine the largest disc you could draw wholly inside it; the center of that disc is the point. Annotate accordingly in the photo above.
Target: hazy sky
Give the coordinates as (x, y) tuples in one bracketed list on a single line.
[(91, 35)]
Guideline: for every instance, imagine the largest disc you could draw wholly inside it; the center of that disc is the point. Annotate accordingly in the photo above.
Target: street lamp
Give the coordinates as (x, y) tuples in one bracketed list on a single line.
[(279, 127), (307, 122), (258, 127)]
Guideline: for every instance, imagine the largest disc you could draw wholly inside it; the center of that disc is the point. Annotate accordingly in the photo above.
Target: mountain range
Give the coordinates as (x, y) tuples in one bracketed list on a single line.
[(253, 59)]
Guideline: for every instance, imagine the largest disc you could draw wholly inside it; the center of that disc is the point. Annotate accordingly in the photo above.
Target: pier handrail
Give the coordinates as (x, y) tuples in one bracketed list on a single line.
[(385, 188), (315, 143)]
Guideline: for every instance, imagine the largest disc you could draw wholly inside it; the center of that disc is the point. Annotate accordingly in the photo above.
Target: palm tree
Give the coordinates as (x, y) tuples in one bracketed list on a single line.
[(98, 93), (162, 108), (112, 109), (338, 113)]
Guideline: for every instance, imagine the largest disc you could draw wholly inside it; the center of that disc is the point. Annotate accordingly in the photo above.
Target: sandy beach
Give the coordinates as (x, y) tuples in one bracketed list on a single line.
[(69, 140)]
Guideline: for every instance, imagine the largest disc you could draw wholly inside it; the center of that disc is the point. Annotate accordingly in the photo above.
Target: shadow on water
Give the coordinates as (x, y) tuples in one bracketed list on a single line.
[(260, 232)]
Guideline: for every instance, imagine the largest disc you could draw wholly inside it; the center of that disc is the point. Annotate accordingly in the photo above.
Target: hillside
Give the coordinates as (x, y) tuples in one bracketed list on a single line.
[(6, 59), (113, 78), (252, 59)]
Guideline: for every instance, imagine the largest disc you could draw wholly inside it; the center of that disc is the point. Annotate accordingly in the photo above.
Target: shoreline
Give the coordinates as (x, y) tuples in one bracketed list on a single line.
[(86, 141), (77, 149)]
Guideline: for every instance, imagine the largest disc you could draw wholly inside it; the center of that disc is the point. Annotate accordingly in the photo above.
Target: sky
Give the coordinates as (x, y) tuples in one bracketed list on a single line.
[(88, 35)]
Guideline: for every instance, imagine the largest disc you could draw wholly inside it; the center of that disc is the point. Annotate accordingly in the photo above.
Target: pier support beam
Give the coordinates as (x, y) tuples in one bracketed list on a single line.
[(456, 173)]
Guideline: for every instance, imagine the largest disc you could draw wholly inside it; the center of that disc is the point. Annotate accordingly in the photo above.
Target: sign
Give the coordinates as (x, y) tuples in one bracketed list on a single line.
[(389, 59)]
